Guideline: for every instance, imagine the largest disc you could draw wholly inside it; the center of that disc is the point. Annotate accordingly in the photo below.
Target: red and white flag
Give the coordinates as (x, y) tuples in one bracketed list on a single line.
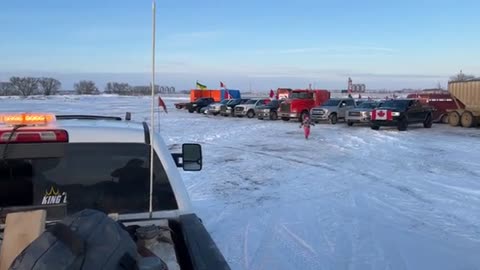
[(272, 94), (162, 104), (382, 115), (227, 93), (222, 85)]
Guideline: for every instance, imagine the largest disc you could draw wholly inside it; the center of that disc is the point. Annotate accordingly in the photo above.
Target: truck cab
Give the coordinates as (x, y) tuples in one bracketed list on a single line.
[(248, 108), (198, 104), (333, 110), (301, 102), (67, 163)]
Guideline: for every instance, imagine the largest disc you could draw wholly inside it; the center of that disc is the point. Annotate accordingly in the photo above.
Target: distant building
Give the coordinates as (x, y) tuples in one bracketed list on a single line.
[(358, 88)]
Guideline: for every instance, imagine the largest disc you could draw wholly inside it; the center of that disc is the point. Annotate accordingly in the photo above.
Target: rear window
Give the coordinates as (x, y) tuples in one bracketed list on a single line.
[(113, 178)]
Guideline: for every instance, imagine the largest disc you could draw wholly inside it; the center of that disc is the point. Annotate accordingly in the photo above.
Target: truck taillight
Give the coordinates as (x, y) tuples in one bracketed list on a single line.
[(33, 136)]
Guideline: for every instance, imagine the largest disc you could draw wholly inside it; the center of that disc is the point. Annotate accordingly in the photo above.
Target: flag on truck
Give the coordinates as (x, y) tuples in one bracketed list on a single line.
[(272, 94), (227, 93), (201, 86), (162, 104)]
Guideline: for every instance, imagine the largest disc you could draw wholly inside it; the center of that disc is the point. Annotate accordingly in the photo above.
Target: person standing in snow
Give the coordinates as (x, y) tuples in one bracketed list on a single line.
[(306, 123)]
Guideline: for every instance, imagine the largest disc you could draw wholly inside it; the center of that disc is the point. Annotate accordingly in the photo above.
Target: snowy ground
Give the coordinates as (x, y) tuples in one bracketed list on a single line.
[(349, 198)]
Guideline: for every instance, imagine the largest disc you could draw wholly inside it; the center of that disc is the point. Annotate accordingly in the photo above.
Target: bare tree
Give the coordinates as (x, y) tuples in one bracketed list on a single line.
[(461, 77), (26, 86), (6, 89), (118, 88), (86, 88), (50, 86)]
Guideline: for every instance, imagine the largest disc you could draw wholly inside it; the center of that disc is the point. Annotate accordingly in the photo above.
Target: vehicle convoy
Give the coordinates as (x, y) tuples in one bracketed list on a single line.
[(248, 108), (103, 163), (215, 108), (441, 101), (361, 114), (401, 113), (269, 110), (198, 104), (466, 95), (332, 110), (300, 102), (216, 94)]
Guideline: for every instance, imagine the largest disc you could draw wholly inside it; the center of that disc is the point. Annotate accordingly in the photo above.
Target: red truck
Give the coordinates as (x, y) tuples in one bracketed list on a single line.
[(298, 105), (441, 101)]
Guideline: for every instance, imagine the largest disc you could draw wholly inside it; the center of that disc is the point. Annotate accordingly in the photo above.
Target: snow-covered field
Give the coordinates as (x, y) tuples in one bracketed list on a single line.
[(349, 198)]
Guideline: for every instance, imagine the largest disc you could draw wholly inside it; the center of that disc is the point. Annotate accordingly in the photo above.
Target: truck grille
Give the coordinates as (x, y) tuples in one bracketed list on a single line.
[(285, 107), (354, 113), (223, 108), (239, 109), (318, 111)]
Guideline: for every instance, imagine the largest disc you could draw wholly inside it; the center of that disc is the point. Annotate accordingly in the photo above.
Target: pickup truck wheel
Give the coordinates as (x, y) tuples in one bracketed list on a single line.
[(428, 121), (198, 110), (273, 116), (349, 123), (454, 119), (285, 119), (250, 114), (191, 111), (333, 118), (467, 119), (375, 127), (403, 124)]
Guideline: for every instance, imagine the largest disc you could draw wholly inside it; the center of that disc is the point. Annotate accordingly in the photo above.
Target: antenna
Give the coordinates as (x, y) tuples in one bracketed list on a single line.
[(152, 113)]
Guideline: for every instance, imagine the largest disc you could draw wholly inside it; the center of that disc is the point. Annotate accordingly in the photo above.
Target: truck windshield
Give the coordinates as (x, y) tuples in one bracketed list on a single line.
[(368, 105), (225, 101), (110, 177), (301, 95), (331, 102), (398, 104)]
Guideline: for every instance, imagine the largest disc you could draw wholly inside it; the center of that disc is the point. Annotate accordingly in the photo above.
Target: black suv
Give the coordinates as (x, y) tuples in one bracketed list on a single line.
[(269, 110), (401, 113), (198, 104)]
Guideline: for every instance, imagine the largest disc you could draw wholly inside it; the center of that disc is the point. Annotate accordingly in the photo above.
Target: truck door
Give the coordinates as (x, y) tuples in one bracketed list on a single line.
[(342, 108), (415, 113)]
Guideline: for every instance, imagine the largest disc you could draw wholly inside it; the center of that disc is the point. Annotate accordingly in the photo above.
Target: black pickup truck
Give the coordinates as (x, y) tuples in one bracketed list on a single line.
[(401, 113), (198, 104), (269, 110)]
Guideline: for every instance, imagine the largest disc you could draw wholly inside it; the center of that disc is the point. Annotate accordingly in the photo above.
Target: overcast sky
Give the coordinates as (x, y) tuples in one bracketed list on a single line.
[(263, 44)]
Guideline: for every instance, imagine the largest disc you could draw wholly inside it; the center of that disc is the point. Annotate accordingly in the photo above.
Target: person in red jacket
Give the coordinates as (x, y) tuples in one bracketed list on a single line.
[(306, 123)]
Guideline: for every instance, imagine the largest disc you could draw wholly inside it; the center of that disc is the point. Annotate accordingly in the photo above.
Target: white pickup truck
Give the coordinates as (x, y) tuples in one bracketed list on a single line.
[(67, 163)]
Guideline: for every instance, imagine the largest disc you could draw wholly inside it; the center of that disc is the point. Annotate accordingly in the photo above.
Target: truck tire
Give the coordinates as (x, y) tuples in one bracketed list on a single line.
[(333, 118), (273, 116), (302, 116), (250, 114), (375, 127), (191, 111), (454, 119), (444, 119), (428, 121), (349, 123), (467, 119), (403, 124), (198, 110), (285, 119)]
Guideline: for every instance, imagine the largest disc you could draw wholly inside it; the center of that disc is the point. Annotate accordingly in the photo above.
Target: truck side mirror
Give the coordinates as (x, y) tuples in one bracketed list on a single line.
[(192, 157)]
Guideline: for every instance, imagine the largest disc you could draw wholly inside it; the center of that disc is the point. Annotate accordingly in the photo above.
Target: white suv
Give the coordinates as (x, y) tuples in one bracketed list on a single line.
[(68, 163)]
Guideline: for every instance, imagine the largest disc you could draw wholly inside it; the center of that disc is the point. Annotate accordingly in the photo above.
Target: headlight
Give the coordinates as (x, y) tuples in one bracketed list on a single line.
[(395, 114), (194, 105), (266, 110)]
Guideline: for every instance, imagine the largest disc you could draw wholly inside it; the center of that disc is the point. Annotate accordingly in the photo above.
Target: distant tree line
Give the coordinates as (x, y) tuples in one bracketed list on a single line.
[(27, 86)]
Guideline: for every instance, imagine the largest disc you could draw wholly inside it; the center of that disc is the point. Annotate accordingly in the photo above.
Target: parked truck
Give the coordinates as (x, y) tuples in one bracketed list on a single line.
[(300, 102), (466, 95), (441, 101)]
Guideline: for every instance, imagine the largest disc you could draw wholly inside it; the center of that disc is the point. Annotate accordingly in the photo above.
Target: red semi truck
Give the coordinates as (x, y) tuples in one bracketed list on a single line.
[(298, 105)]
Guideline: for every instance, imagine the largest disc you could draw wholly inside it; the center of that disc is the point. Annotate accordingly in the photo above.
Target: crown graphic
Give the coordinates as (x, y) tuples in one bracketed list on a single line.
[(52, 192)]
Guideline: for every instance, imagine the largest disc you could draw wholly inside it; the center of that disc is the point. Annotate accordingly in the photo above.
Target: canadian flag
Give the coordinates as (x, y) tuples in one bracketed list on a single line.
[(161, 103), (272, 94), (382, 115)]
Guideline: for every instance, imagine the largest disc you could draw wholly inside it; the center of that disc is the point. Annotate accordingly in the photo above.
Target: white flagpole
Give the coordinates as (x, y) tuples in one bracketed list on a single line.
[(152, 115)]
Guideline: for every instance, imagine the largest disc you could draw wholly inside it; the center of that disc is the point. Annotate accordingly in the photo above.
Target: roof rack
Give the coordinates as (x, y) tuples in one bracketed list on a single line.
[(87, 117)]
